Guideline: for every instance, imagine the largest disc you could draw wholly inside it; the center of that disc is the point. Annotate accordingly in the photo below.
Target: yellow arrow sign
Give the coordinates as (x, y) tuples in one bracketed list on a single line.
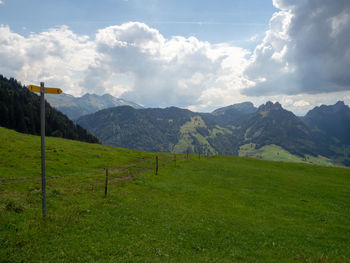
[(34, 88), (53, 91)]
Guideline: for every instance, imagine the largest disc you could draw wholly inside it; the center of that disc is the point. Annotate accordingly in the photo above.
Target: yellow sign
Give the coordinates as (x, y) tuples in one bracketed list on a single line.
[(34, 88), (53, 91)]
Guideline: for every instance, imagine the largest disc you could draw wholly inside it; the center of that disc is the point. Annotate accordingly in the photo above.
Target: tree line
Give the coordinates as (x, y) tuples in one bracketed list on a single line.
[(20, 111)]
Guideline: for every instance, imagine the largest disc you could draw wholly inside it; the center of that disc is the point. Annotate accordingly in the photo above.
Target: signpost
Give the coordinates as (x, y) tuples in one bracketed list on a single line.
[(47, 90), (42, 91)]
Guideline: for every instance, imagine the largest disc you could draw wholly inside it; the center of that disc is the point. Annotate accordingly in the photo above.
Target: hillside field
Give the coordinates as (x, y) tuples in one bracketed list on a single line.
[(277, 153), (207, 209)]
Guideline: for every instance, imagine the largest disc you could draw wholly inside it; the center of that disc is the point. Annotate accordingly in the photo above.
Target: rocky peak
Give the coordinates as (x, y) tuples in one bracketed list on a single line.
[(340, 105), (270, 106)]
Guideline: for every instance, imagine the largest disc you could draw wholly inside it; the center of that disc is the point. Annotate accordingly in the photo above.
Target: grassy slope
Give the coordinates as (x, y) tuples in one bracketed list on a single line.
[(217, 209), (277, 153), (185, 140)]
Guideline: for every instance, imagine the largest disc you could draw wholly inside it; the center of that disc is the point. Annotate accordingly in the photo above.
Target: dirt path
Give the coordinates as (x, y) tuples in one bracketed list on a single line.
[(114, 170), (130, 175)]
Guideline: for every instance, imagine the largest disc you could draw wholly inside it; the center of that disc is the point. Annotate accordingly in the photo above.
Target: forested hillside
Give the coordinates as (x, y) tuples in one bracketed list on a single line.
[(330, 122), (179, 130), (20, 110)]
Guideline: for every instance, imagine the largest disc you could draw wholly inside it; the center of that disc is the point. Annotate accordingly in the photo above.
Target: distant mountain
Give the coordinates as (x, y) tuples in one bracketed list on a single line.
[(244, 108), (143, 129), (20, 111), (74, 107), (271, 124), (330, 122), (230, 130), (160, 130), (234, 114)]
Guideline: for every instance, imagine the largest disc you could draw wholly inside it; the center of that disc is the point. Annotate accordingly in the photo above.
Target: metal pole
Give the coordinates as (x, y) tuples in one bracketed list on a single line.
[(42, 122)]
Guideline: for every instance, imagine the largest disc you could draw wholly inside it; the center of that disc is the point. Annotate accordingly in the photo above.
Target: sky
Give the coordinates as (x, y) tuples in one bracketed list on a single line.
[(195, 54)]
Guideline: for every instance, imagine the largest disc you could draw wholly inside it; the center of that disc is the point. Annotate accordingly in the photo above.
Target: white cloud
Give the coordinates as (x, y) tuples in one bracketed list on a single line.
[(1, 2), (254, 38), (301, 103), (58, 57), (130, 60), (306, 49), (162, 72)]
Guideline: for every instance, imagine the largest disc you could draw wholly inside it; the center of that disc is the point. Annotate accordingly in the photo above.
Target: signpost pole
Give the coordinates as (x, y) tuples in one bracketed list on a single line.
[(42, 121), (42, 90)]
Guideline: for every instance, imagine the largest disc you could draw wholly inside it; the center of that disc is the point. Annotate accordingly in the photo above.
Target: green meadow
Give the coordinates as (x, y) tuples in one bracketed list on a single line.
[(276, 153), (207, 209)]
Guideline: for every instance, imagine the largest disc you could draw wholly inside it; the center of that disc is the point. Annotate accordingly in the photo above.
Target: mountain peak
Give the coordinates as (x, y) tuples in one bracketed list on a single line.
[(106, 95), (86, 95), (244, 107), (268, 106), (340, 105), (337, 107)]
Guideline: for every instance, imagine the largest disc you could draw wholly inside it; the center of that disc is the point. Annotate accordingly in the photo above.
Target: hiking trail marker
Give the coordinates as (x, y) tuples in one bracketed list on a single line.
[(42, 90), (34, 88)]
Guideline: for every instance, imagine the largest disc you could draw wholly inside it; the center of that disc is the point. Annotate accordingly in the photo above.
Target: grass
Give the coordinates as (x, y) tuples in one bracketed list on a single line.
[(213, 209), (188, 130), (276, 153)]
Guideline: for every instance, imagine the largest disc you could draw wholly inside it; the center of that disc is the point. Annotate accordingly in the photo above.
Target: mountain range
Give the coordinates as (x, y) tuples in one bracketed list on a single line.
[(75, 107), (239, 129), (322, 136)]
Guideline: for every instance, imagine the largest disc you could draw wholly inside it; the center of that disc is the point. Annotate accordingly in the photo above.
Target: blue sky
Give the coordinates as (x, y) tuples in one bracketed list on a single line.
[(233, 21), (194, 54)]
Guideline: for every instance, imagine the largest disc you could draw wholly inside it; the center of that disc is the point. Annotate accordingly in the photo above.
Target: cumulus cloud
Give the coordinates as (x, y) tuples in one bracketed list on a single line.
[(161, 71), (130, 60), (57, 56), (306, 49), (158, 71)]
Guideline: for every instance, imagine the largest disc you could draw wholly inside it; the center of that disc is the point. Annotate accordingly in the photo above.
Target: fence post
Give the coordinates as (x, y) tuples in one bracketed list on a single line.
[(175, 159), (106, 185), (156, 164)]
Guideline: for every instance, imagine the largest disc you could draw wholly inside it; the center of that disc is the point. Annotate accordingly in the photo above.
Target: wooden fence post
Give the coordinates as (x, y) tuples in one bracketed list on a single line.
[(106, 185), (156, 164)]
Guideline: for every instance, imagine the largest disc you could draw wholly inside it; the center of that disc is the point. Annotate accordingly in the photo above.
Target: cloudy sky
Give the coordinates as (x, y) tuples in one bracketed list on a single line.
[(196, 54)]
